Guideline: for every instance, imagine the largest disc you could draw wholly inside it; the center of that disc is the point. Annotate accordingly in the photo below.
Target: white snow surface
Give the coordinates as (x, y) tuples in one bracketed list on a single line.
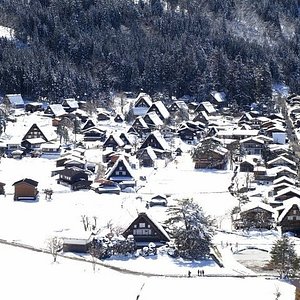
[(33, 275)]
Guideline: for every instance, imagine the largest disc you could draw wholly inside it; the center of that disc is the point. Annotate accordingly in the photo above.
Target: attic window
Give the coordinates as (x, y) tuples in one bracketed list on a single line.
[(294, 212), (142, 225)]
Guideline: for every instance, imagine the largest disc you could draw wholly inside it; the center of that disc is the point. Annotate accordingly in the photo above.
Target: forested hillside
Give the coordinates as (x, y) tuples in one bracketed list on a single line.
[(83, 48)]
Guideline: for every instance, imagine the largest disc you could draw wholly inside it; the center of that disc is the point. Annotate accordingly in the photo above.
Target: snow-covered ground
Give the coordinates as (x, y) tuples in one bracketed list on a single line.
[(32, 223)]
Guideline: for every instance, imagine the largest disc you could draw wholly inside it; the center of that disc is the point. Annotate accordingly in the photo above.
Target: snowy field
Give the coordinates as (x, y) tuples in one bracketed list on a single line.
[(32, 223)]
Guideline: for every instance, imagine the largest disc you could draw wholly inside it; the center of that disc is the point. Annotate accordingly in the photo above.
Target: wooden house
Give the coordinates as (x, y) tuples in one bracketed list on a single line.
[(127, 139), (54, 111), (145, 230), (25, 189), (35, 132), (141, 104), (81, 115), (202, 117), (289, 217), (284, 179), (156, 141), (50, 148), (255, 215), (34, 106), (160, 109), (237, 134), (281, 161), (252, 146), (146, 157), (152, 120), (284, 171), (94, 134), (70, 104), (214, 158), (140, 127), (103, 116), (218, 99), (207, 107), (178, 106), (287, 193), (121, 172), (33, 144), (79, 243), (88, 124), (247, 165), (113, 141), (13, 100), (75, 178)]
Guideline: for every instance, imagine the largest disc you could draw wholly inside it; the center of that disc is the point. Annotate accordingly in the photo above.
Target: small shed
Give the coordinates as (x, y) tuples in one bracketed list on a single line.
[(78, 243), (25, 189)]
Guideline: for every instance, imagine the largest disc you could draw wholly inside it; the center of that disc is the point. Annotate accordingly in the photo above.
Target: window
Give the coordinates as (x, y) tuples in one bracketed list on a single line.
[(120, 168), (141, 231), (294, 212), (142, 225), (290, 218)]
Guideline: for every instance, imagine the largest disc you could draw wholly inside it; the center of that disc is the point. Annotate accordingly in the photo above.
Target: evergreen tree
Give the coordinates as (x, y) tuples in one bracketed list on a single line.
[(191, 230), (284, 258)]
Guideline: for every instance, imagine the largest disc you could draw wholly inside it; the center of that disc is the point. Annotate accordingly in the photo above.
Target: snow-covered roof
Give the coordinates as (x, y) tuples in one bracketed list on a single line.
[(145, 97), (278, 169), (238, 132), (57, 110), (257, 204), (36, 141), (154, 118), (161, 108), (15, 99), (289, 189), (287, 205), (284, 178), (208, 107), (127, 166), (219, 96), (252, 139), (160, 139), (71, 102), (281, 158)]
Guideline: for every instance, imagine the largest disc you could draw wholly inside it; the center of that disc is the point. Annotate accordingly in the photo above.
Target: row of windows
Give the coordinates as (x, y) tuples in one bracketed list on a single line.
[(294, 218), (142, 231)]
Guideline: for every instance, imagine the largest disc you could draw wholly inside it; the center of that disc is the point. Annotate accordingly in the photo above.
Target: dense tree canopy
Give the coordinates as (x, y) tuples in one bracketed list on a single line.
[(80, 48), (190, 229)]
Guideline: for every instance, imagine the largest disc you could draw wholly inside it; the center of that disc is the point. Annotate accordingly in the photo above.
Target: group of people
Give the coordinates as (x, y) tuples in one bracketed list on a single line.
[(199, 273)]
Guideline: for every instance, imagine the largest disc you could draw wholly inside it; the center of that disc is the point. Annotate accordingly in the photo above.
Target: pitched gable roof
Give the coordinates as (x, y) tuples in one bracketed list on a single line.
[(71, 103), (220, 97), (56, 109), (28, 181), (155, 137), (152, 119), (161, 108), (120, 162), (286, 206), (15, 99)]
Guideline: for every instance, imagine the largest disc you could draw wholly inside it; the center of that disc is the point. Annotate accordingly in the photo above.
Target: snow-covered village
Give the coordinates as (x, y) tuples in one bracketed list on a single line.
[(149, 149), (93, 199)]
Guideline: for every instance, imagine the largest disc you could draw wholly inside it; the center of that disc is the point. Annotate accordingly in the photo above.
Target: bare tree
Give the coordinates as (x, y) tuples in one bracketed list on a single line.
[(85, 221), (54, 245)]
